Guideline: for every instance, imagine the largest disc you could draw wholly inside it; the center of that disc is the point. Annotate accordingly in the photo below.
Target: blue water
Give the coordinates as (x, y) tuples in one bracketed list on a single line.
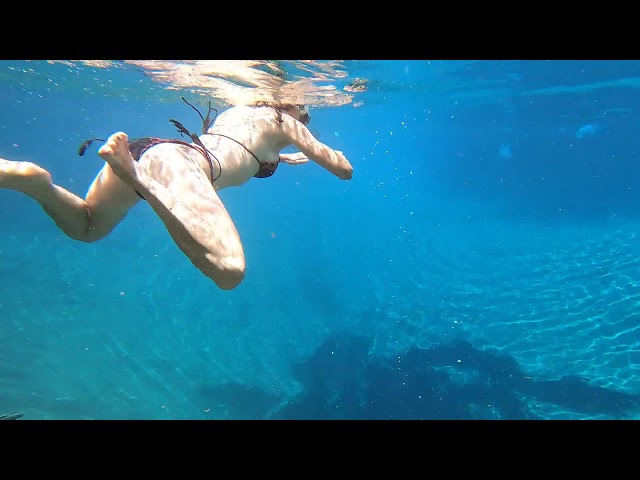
[(483, 262)]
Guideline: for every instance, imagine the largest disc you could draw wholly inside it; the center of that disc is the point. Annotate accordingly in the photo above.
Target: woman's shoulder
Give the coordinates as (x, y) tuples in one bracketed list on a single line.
[(246, 111), (243, 115)]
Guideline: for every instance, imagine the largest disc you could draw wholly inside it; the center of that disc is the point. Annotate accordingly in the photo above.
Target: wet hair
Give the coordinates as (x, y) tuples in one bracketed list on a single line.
[(304, 114)]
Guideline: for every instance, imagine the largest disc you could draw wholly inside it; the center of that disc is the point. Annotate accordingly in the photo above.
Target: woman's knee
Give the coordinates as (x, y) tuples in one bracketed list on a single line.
[(230, 279), (227, 272)]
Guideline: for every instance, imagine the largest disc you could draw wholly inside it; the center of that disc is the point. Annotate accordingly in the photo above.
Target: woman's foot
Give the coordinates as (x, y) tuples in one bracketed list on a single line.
[(116, 153)]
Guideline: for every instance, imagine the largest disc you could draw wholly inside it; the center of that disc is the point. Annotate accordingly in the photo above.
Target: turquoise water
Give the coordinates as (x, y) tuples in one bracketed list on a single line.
[(483, 262)]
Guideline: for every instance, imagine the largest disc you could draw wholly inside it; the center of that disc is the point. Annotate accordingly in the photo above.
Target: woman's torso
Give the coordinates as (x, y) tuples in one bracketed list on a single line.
[(241, 138)]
